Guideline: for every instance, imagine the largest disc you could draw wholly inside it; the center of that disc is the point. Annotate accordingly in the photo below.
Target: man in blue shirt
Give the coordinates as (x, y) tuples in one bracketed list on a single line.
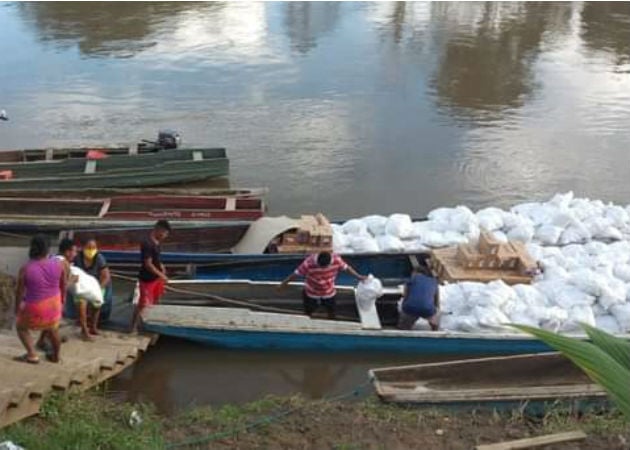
[(421, 298)]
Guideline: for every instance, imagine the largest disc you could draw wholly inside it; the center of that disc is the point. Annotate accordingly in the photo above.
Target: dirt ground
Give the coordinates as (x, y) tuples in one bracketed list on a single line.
[(373, 425)]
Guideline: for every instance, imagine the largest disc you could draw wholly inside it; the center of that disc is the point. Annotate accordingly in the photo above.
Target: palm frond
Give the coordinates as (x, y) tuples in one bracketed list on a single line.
[(601, 367), (617, 348)]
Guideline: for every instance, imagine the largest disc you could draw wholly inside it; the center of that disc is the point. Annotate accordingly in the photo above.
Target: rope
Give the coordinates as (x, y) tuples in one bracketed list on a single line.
[(265, 420), (227, 301)]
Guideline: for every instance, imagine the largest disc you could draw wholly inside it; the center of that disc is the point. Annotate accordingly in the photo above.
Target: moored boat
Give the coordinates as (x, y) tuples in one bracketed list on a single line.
[(265, 296), (496, 382), (239, 328), (391, 268), (116, 171), (45, 214)]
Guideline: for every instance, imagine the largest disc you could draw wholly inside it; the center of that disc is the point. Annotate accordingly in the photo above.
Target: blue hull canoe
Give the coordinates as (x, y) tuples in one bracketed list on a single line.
[(389, 267), (235, 328)]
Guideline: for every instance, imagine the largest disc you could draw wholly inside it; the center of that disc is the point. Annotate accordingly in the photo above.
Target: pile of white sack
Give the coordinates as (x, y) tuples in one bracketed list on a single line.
[(560, 221), (582, 245)]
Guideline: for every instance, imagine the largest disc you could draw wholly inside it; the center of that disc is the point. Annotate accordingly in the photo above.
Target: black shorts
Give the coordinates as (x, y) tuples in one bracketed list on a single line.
[(311, 304)]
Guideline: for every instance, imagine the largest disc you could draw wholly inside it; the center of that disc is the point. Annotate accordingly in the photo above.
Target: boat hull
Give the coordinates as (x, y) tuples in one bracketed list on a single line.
[(389, 267), (345, 342), (171, 172)]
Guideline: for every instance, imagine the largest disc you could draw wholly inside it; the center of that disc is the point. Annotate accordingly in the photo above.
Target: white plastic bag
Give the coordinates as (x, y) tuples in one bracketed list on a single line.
[(622, 314), (375, 224), (364, 244), (87, 287), (522, 233), (622, 272), (490, 219), (389, 244), (354, 227), (607, 323), (399, 225), (577, 316), (548, 234), (368, 291)]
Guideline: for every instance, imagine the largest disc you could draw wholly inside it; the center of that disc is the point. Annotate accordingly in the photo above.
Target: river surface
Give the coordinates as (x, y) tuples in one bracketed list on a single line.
[(344, 108)]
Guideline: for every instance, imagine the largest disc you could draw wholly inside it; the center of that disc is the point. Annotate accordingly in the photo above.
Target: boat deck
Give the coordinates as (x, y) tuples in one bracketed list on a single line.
[(83, 365)]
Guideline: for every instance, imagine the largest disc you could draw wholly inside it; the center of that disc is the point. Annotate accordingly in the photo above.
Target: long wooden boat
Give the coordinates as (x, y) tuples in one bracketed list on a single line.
[(52, 162), (35, 214), (497, 382), (116, 171), (391, 268), (214, 236), (237, 328), (105, 193), (265, 295)]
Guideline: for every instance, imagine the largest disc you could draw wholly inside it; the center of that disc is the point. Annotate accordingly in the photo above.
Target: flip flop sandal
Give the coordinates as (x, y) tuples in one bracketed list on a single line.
[(26, 359)]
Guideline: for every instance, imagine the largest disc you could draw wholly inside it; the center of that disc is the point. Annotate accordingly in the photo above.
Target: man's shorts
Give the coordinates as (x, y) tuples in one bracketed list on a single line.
[(150, 292)]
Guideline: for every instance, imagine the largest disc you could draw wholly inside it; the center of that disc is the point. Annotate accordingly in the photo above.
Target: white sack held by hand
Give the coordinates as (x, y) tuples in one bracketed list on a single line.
[(87, 287), (368, 291)]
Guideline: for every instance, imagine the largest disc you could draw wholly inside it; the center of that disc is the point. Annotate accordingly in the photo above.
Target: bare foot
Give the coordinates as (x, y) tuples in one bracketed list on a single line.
[(86, 337), (94, 332)]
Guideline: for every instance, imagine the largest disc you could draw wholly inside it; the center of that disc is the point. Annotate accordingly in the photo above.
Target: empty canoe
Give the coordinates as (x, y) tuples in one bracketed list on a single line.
[(45, 214), (494, 382)]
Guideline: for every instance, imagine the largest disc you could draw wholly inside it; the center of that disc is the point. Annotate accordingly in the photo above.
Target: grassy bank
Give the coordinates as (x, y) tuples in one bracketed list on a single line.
[(92, 421)]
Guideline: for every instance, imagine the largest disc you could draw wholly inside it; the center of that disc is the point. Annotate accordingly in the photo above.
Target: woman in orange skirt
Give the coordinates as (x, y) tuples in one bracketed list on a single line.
[(40, 285)]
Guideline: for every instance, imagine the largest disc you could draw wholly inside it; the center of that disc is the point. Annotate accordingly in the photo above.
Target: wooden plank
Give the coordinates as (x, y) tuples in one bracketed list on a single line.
[(535, 441)]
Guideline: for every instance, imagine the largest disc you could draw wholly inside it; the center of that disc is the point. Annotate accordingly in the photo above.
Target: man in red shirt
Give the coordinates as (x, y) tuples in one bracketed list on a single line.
[(320, 271)]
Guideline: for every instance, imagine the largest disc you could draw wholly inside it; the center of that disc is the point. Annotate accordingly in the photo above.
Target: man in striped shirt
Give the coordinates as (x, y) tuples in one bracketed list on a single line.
[(320, 272)]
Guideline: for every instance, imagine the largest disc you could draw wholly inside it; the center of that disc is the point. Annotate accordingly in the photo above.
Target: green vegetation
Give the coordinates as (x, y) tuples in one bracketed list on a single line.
[(91, 420), (606, 359), (86, 421)]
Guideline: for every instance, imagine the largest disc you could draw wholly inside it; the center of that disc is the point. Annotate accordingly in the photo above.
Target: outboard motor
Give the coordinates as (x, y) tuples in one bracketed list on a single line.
[(168, 139)]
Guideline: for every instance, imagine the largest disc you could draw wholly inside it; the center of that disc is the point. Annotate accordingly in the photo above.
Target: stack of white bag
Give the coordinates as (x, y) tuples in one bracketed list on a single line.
[(562, 220), (587, 283)]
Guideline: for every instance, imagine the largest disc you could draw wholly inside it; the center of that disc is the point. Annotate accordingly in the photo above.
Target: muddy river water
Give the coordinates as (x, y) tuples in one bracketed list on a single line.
[(345, 108)]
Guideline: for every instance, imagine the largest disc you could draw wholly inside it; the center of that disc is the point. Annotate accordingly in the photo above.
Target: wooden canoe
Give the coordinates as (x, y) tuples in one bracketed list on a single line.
[(208, 236), (20, 214), (239, 328), (105, 193), (117, 171), (59, 161), (495, 382), (391, 268), (263, 295)]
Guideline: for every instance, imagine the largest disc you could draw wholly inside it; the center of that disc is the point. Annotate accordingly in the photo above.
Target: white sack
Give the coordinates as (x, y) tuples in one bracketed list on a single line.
[(368, 291), (622, 272), (490, 219), (354, 227), (375, 224), (490, 317), (340, 241), (452, 298), (364, 244), (622, 314), (500, 236), (389, 244), (399, 225), (588, 281), (577, 316), (614, 293), (608, 323), (522, 233), (576, 233), (87, 287), (548, 234)]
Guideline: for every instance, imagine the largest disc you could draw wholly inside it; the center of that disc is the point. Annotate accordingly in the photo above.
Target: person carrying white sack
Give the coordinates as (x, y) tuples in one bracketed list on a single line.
[(421, 299)]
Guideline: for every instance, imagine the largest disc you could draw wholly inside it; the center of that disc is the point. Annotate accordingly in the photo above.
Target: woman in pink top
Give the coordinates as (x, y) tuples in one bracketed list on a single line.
[(38, 299)]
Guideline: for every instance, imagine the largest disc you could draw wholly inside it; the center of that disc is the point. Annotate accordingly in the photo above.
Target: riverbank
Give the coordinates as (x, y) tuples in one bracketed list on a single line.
[(94, 420)]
